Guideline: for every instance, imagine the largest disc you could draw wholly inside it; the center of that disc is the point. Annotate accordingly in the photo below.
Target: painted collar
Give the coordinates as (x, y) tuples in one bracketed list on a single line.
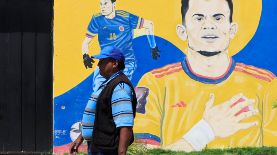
[(205, 79)]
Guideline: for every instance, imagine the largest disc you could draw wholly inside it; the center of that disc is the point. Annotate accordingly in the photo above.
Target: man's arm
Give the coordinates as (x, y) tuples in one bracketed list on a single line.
[(125, 138), (218, 121), (75, 145), (122, 111)]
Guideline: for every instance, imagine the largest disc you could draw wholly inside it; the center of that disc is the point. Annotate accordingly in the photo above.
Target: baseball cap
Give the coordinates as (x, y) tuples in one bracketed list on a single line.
[(110, 52)]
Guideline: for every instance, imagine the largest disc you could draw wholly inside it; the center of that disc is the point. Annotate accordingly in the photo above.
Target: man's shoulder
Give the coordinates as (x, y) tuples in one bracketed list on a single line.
[(168, 70), (97, 15), (121, 91), (122, 86), (255, 72)]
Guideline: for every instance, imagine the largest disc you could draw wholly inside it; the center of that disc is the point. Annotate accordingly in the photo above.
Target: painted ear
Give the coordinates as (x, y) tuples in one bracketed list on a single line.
[(181, 32), (233, 30), (114, 5)]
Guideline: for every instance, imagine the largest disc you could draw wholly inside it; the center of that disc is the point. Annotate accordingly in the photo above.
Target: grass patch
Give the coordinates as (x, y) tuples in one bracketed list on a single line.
[(140, 149)]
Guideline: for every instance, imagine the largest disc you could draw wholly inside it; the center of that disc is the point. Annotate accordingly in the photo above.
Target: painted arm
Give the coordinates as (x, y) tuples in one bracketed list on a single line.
[(85, 45), (88, 61), (270, 115), (149, 29), (180, 145)]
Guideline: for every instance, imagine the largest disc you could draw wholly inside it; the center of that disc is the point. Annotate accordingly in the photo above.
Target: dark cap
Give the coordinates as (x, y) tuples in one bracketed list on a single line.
[(110, 52)]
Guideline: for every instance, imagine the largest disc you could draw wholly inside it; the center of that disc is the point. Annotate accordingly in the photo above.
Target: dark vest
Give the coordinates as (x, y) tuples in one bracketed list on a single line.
[(105, 134)]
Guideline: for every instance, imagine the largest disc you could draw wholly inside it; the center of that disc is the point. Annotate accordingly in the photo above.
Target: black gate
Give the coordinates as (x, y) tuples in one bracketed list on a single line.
[(26, 57)]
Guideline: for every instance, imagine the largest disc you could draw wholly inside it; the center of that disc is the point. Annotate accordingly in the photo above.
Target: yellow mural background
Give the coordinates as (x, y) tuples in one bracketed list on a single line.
[(71, 18)]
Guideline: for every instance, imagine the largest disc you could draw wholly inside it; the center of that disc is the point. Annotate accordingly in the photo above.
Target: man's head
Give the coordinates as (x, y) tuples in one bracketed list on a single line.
[(111, 60), (207, 25), (107, 7)]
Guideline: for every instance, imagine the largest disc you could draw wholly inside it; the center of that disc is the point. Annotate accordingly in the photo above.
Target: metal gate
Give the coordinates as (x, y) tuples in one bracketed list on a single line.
[(26, 76)]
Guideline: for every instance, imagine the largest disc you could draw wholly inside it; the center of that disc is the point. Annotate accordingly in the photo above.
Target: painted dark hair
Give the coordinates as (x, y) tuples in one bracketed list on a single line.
[(185, 6), (113, 1)]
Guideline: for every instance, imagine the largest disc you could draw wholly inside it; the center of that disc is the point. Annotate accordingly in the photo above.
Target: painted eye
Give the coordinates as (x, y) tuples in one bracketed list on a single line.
[(218, 18), (199, 19)]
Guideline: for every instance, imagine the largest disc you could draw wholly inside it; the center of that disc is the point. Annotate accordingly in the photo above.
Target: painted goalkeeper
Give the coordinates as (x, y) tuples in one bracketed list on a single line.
[(115, 28)]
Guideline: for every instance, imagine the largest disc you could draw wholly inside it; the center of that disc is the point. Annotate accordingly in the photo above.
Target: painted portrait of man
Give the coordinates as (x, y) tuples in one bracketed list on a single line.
[(213, 86), (208, 99)]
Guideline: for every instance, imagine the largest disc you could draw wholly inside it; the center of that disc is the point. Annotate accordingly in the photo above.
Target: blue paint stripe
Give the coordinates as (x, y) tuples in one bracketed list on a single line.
[(147, 136)]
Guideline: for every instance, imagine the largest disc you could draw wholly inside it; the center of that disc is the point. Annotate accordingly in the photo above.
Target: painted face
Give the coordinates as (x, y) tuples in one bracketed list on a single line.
[(207, 25), (106, 67), (106, 7)]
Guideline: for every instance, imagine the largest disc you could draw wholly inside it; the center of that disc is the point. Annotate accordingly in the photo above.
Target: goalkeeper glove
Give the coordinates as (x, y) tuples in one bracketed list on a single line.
[(88, 61), (155, 53)]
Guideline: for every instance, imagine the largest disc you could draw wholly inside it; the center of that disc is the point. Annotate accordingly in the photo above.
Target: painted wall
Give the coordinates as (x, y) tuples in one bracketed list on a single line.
[(182, 87)]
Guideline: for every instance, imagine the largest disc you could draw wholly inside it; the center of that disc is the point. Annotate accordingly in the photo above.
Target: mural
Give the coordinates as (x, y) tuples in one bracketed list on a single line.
[(206, 79)]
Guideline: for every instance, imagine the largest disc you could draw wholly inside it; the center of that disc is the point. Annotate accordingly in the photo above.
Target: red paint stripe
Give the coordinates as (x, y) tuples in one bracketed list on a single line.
[(255, 75), (179, 104), (168, 73), (166, 68), (141, 23), (183, 104), (238, 101), (148, 141), (244, 109), (208, 77), (258, 70)]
